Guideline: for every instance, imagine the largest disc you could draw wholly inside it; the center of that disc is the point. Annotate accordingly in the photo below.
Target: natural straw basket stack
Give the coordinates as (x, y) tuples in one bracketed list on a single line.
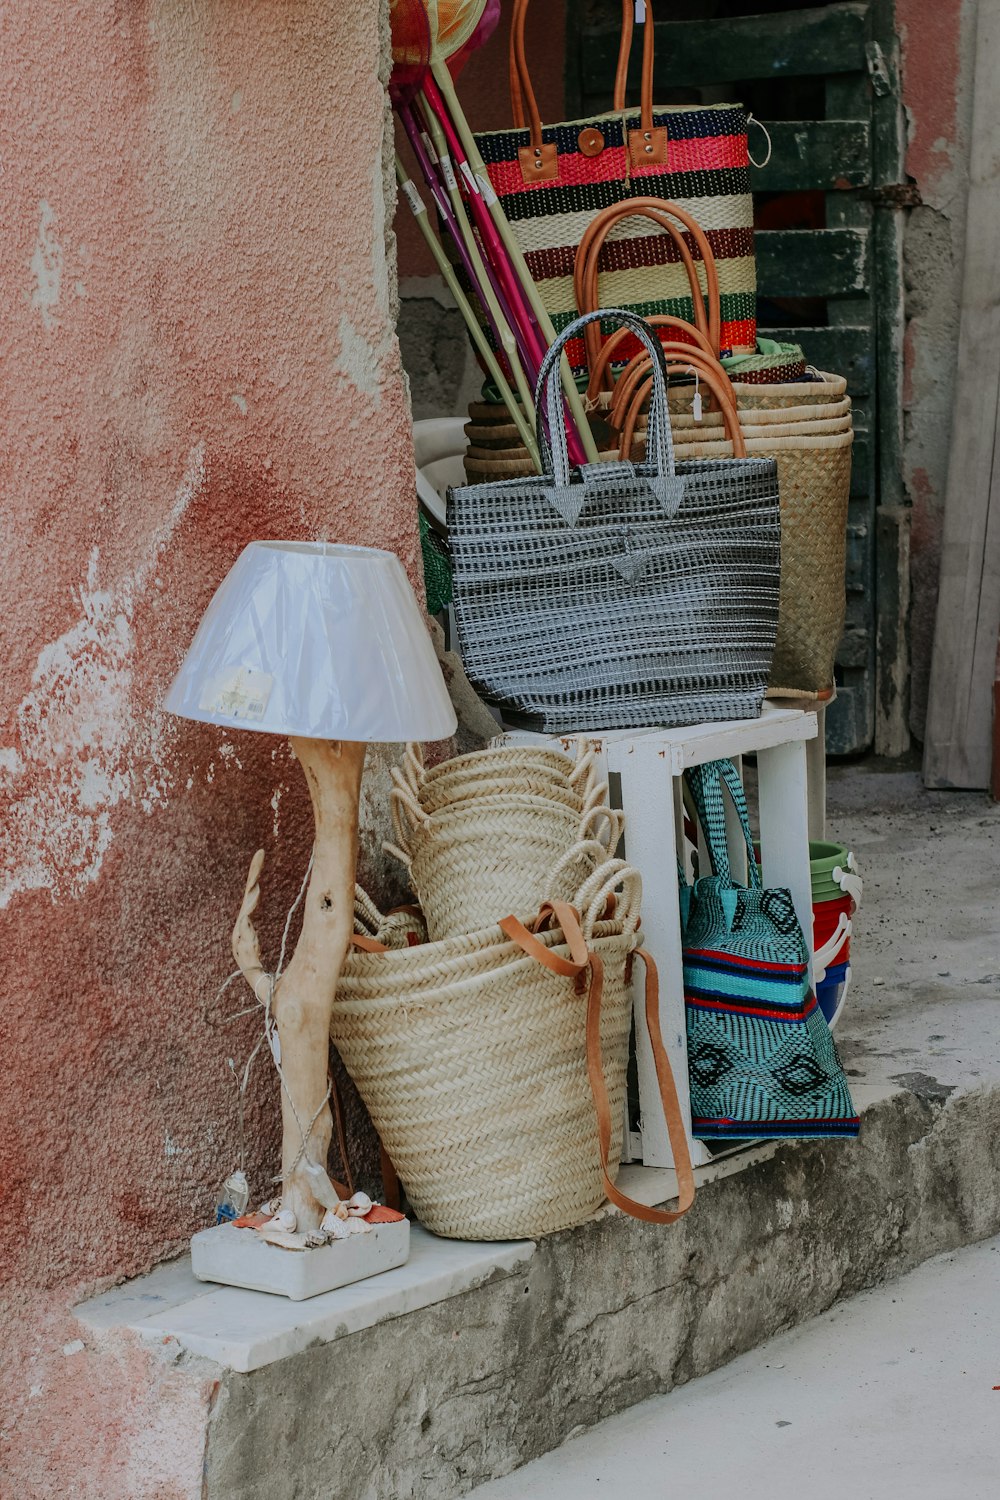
[(499, 831)]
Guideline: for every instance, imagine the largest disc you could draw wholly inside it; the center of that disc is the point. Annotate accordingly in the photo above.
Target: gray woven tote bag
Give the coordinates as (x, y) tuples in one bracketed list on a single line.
[(618, 595)]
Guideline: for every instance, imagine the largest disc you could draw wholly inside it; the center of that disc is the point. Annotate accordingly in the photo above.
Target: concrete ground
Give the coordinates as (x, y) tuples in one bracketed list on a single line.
[(924, 1008), (895, 1393)]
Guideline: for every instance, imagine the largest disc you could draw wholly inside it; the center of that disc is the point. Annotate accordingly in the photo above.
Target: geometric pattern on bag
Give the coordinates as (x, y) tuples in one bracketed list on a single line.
[(618, 595), (761, 1058), (699, 159)]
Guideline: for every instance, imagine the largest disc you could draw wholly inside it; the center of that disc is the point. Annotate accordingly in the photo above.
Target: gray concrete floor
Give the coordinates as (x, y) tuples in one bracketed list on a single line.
[(892, 1396), (924, 1008)]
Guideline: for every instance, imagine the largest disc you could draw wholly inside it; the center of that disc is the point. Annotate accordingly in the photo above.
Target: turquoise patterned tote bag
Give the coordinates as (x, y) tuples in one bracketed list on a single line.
[(760, 1054)]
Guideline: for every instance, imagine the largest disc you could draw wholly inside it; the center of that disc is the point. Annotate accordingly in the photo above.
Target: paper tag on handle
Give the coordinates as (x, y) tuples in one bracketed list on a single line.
[(640, 12), (448, 173), (467, 173)]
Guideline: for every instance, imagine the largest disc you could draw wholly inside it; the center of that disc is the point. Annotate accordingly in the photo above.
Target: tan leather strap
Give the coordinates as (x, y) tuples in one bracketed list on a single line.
[(730, 416), (367, 944), (581, 958), (586, 273), (599, 374), (647, 146), (681, 359), (663, 212)]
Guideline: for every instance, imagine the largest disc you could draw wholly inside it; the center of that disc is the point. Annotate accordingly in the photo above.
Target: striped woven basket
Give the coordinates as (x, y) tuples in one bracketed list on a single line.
[(553, 180)]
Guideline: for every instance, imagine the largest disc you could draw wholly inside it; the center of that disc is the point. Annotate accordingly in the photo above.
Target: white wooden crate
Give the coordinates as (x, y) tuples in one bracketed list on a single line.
[(650, 764)]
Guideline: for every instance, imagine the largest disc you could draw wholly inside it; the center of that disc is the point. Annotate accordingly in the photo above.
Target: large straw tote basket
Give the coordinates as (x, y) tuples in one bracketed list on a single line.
[(814, 487), (497, 1085)]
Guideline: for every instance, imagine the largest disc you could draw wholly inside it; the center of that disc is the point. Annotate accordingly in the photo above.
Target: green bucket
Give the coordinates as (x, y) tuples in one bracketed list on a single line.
[(824, 858)]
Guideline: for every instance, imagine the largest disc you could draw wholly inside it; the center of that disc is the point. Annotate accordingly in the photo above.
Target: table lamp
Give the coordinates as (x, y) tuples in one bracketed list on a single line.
[(325, 644)]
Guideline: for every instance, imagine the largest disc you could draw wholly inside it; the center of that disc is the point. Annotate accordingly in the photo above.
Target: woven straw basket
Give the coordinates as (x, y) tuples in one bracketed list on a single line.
[(471, 1058), (814, 485), (498, 831)]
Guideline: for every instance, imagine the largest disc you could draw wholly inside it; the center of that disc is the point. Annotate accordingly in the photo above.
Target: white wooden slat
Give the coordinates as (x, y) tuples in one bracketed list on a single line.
[(650, 845)]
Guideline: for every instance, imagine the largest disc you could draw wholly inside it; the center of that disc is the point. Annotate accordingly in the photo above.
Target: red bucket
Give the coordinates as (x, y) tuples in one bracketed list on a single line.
[(826, 916)]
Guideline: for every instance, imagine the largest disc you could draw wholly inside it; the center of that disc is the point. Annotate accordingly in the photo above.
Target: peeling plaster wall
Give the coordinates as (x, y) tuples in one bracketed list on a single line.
[(937, 57), (198, 349)]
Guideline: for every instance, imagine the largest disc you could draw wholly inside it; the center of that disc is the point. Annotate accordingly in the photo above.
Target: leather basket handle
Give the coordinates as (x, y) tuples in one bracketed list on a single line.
[(626, 416), (581, 958), (664, 213), (539, 160)]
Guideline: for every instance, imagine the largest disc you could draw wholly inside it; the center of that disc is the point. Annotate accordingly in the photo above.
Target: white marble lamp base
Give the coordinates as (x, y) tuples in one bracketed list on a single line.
[(239, 1257)]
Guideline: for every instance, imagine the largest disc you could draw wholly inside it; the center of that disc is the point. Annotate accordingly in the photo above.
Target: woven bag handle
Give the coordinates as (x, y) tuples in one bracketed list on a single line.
[(647, 145), (706, 783), (592, 898), (575, 967), (548, 406), (663, 212)]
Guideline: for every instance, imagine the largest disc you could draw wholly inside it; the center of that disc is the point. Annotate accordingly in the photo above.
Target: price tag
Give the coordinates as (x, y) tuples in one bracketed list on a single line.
[(448, 173), (473, 185), (413, 198), (486, 188), (237, 694), (640, 12)]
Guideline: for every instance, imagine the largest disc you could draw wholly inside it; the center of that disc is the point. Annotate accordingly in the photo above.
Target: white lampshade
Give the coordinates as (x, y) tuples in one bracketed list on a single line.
[(311, 639)]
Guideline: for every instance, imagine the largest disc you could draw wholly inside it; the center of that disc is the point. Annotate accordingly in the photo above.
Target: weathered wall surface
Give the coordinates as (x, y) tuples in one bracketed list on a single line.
[(936, 54), (198, 349), (444, 375)]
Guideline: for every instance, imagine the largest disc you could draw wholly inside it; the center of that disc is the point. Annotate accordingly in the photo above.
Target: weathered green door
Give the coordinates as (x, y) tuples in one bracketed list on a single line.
[(824, 81)]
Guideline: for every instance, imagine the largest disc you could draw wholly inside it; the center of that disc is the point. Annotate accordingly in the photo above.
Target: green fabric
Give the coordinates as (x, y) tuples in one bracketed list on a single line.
[(437, 568)]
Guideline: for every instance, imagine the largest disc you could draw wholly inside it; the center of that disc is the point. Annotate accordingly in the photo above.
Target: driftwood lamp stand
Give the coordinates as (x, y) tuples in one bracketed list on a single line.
[(326, 645)]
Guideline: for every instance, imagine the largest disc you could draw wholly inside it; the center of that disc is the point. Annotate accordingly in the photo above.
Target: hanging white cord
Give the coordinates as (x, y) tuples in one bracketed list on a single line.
[(752, 120)]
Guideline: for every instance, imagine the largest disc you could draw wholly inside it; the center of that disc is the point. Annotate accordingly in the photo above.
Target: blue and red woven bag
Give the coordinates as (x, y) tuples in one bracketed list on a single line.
[(761, 1058), (552, 180)]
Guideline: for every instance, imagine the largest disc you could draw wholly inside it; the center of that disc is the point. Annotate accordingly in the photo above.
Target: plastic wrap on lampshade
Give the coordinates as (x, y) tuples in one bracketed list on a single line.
[(317, 640)]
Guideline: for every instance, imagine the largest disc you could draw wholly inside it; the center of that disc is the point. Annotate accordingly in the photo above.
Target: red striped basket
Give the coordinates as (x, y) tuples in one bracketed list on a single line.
[(552, 180)]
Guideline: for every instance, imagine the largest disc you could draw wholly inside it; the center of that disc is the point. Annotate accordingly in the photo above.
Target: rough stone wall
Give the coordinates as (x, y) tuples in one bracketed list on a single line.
[(198, 349), (937, 52)]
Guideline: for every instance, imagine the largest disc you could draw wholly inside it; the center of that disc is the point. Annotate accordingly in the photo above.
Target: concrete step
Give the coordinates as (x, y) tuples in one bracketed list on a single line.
[(473, 1359), (896, 1389)]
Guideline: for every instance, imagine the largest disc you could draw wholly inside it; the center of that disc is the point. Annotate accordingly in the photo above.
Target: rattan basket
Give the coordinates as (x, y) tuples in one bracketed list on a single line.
[(471, 1058)]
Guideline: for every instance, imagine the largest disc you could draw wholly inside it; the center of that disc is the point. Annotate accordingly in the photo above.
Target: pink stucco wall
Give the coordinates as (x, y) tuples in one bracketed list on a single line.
[(199, 349)]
